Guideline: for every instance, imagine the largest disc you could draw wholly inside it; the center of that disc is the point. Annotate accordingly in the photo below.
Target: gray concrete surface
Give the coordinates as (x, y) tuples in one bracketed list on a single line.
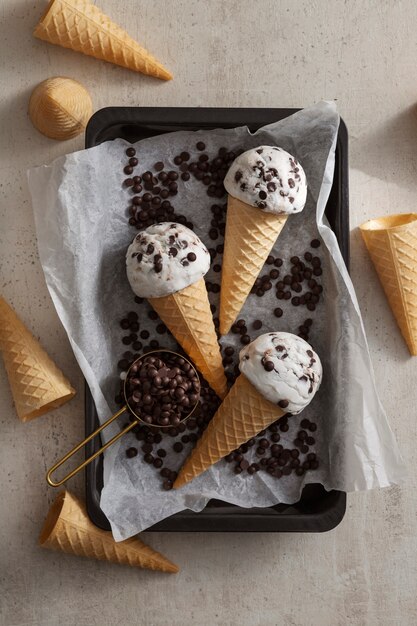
[(223, 53)]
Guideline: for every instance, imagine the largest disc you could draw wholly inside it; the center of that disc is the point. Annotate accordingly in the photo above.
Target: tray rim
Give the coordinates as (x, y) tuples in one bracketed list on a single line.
[(209, 520)]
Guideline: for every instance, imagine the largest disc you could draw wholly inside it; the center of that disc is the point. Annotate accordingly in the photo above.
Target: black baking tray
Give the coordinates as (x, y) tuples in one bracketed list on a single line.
[(317, 510)]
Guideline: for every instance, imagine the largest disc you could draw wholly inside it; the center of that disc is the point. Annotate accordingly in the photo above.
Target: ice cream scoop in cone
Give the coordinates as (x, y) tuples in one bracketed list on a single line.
[(280, 373), (81, 26), (60, 108), (249, 238), (265, 186), (392, 244), (68, 528), (38, 386), (166, 264)]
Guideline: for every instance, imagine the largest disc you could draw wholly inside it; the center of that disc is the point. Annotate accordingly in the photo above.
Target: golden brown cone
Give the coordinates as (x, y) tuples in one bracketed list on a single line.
[(60, 108), (38, 386), (68, 528), (242, 415), (392, 245), (188, 316), (81, 26), (250, 236)]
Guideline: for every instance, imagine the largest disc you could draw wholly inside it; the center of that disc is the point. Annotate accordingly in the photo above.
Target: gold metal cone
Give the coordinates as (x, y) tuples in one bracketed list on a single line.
[(392, 244), (38, 386), (68, 528)]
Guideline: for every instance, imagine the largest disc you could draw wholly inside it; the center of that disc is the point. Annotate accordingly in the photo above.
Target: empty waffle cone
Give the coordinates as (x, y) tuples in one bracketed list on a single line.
[(60, 108), (81, 26), (392, 244), (38, 386), (68, 528), (241, 416), (249, 238), (188, 316)]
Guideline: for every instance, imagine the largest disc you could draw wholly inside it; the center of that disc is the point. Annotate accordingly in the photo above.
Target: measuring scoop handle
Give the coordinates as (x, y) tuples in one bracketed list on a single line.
[(82, 444)]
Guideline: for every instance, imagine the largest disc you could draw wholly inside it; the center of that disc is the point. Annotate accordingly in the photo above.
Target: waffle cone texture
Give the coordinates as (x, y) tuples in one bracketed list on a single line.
[(249, 238), (60, 108), (68, 528), (81, 26), (188, 316), (37, 385), (241, 416), (392, 244)]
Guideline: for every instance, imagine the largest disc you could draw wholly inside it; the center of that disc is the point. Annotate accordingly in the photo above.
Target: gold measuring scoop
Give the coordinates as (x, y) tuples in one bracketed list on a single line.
[(127, 407)]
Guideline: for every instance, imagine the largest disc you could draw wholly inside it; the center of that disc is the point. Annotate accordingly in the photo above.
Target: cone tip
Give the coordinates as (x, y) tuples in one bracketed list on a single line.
[(180, 481), (172, 568), (52, 518)]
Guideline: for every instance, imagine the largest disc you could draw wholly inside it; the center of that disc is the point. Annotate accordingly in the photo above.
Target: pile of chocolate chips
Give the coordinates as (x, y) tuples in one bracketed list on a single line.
[(162, 389), (151, 195), (151, 191)]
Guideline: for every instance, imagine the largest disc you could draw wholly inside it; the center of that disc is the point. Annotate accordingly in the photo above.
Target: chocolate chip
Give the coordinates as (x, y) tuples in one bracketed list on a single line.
[(131, 452), (128, 169), (278, 312), (159, 166), (269, 367), (191, 256), (185, 176), (257, 324), (315, 243), (130, 152)]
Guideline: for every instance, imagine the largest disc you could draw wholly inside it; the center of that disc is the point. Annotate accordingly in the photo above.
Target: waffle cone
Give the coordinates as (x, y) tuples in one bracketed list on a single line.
[(38, 386), (68, 528), (392, 244), (188, 316), (242, 415), (81, 26), (60, 108), (249, 238)]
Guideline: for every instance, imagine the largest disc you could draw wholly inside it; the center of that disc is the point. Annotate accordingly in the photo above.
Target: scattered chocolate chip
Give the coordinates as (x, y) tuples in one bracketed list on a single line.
[(315, 243), (200, 145), (131, 452)]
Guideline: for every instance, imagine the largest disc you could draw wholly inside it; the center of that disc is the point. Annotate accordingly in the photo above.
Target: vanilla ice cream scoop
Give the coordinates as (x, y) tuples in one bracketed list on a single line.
[(269, 178), (165, 258), (283, 368)]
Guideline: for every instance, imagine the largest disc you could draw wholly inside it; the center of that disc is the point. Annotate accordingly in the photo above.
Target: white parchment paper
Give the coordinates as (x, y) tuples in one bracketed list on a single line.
[(80, 210)]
